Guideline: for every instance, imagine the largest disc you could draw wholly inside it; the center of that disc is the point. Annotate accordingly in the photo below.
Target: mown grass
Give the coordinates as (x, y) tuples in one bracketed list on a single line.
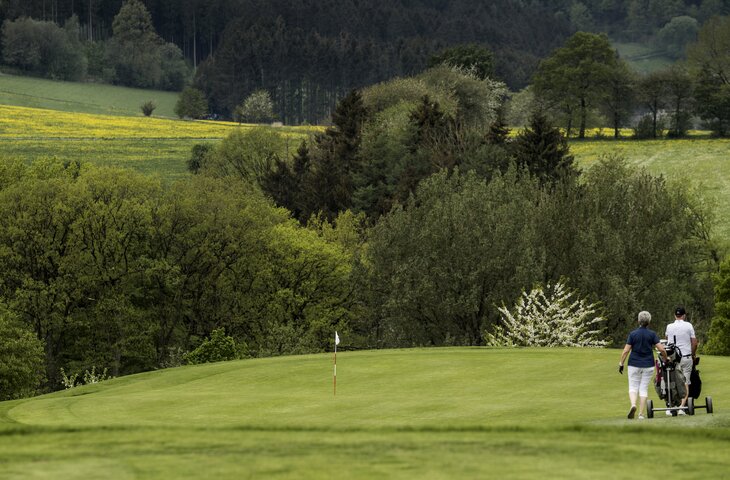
[(81, 97), (420, 413)]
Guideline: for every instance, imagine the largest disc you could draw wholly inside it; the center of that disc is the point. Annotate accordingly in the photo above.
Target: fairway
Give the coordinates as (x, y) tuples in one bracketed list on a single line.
[(419, 413)]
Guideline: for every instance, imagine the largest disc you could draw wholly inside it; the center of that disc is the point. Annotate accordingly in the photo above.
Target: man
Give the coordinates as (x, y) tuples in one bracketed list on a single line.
[(682, 334)]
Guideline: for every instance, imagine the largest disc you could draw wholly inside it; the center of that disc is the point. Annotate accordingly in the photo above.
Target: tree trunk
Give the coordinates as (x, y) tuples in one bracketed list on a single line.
[(583, 115)]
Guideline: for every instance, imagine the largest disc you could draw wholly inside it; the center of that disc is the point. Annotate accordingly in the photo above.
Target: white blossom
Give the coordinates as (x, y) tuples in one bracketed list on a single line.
[(549, 317)]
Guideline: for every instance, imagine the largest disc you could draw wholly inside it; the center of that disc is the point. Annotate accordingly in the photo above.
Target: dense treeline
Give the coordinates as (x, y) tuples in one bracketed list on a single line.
[(307, 54), (105, 268)]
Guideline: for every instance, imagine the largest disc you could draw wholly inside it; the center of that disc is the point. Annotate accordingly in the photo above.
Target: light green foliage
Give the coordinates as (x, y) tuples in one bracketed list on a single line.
[(191, 104), (247, 155), (518, 414), (718, 337), (218, 348), (21, 358), (548, 316), (256, 108)]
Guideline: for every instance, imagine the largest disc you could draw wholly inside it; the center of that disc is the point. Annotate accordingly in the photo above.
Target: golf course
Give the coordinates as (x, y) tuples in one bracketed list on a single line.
[(426, 413)]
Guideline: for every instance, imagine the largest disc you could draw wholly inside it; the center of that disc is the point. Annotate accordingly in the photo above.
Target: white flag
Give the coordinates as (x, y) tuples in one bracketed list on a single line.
[(337, 338)]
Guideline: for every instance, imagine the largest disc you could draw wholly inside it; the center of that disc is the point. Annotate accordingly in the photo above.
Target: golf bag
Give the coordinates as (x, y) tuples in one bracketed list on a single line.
[(669, 380), (695, 387)]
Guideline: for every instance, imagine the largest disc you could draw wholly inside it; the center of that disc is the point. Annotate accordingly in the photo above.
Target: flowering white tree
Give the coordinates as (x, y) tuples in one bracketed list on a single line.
[(549, 317)]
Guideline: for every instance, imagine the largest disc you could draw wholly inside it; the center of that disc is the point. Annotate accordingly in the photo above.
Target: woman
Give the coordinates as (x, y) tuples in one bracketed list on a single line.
[(640, 344)]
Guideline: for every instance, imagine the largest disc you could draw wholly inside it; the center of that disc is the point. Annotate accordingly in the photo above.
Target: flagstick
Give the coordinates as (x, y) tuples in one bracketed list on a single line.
[(334, 378)]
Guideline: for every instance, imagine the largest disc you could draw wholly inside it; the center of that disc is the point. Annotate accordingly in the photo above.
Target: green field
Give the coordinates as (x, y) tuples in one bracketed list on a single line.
[(700, 164), (82, 97), (419, 413), (642, 58)]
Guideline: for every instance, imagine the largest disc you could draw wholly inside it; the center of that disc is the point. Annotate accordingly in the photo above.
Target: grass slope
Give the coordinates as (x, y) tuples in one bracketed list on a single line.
[(82, 97), (151, 145), (699, 163), (420, 413)]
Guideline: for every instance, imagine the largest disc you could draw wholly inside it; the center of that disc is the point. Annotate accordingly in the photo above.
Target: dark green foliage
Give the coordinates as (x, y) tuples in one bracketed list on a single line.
[(718, 337), (461, 245), (543, 150), (199, 156), (470, 57), (148, 107), (21, 359), (219, 348), (191, 104), (138, 56), (576, 76), (708, 59), (43, 48)]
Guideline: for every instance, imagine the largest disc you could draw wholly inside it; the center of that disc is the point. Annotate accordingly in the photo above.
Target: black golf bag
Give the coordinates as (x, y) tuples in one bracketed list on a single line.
[(669, 382), (695, 387)]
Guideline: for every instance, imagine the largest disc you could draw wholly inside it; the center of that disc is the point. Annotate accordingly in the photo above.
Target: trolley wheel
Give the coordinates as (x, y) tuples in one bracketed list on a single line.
[(708, 404), (650, 409), (690, 406)]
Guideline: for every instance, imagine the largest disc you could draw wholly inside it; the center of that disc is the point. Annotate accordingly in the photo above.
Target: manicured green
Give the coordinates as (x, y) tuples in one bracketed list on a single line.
[(420, 413), (82, 97)]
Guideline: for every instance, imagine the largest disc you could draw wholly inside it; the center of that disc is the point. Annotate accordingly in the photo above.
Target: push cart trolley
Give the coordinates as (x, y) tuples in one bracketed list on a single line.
[(670, 386)]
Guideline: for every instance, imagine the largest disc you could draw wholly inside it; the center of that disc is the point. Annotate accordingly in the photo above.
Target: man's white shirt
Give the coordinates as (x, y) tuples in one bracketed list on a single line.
[(684, 333)]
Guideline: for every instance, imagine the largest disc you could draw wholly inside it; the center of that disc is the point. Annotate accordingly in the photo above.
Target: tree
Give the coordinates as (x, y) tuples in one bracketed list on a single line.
[(191, 104), (43, 48), (679, 89), (257, 108), (549, 317), (21, 359), (436, 266), (709, 63), (651, 93), (469, 57), (718, 337), (576, 75), (619, 100), (249, 155), (139, 57), (544, 151), (674, 37)]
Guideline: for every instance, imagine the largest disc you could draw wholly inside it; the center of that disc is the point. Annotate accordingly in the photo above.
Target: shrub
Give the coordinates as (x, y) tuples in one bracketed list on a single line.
[(548, 317), (645, 128), (148, 107), (220, 347), (21, 359), (191, 104), (199, 156), (257, 108)]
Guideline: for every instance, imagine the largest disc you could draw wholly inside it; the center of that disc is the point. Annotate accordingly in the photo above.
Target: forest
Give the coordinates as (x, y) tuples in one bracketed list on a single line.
[(309, 54)]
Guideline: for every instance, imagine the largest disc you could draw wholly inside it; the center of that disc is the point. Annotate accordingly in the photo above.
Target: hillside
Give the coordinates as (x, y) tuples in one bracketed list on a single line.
[(426, 413), (96, 98), (696, 163)]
